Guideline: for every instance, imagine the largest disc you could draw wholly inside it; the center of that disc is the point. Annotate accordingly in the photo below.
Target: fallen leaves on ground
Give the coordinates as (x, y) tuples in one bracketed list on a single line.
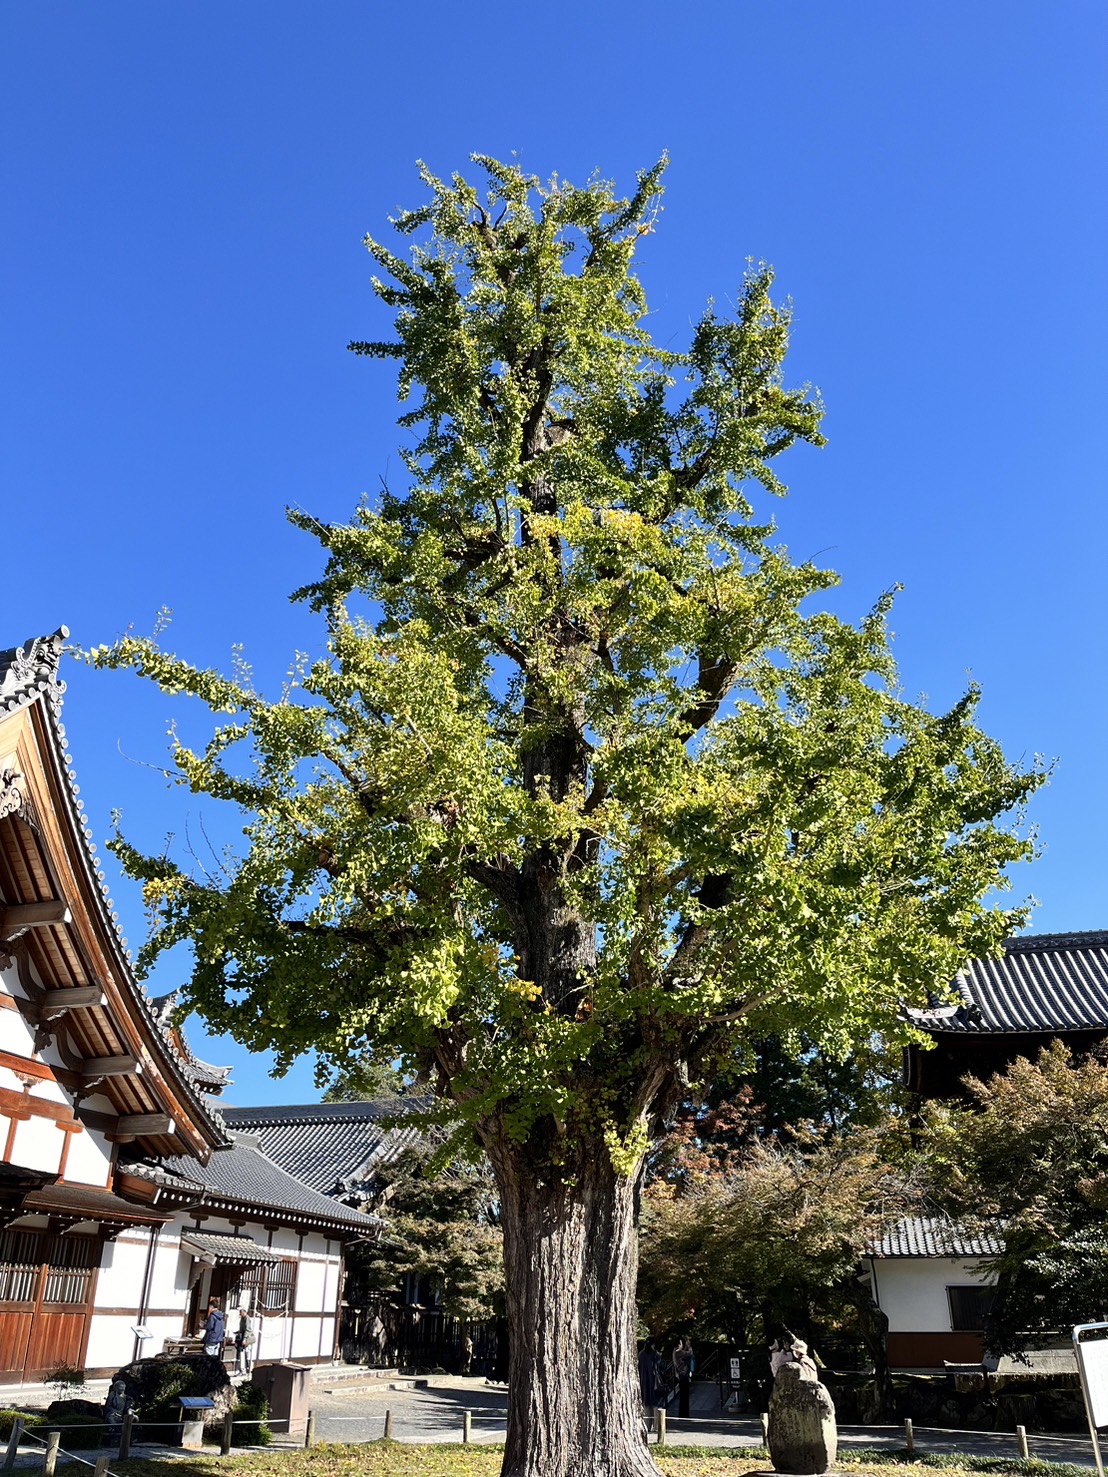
[(399, 1459)]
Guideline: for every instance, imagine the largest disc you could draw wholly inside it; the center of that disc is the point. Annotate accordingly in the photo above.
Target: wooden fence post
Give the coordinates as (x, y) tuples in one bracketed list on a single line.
[(227, 1434), (660, 1425), (309, 1430), (388, 1425), (909, 1437), (13, 1443), (125, 1429), (467, 1427), (101, 1466), (50, 1456), (765, 1429), (1021, 1437)]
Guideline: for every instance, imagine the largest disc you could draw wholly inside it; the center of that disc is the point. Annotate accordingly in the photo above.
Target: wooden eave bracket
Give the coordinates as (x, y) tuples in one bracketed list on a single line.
[(111, 1066), (56, 1003), (17, 918), (130, 1126)]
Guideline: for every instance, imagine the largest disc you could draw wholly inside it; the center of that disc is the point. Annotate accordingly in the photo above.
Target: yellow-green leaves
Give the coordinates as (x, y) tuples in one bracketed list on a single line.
[(581, 790)]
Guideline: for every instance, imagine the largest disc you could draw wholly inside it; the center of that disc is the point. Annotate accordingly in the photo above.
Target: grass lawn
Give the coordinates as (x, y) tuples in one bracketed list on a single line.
[(399, 1459)]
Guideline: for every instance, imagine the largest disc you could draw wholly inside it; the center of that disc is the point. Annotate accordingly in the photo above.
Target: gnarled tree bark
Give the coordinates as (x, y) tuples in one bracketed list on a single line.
[(570, 1261)]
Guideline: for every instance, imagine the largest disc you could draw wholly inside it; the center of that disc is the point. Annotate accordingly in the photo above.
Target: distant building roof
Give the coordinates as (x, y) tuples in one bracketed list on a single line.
[(332, 1147), (242, 1176), (1049, 982), (932, 1236)]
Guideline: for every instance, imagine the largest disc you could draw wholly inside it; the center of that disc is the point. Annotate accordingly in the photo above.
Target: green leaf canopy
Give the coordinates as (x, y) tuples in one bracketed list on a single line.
[(585, 791)]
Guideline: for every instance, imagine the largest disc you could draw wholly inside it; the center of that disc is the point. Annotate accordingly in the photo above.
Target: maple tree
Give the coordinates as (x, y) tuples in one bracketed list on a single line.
[(1026, 1161)]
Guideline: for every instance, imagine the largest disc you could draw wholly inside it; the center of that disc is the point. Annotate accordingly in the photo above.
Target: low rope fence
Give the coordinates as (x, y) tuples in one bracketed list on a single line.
[(124, 1437), (133, 1432)]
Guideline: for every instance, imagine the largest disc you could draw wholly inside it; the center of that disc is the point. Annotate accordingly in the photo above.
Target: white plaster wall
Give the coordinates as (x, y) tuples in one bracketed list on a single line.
[(89, 1161), (310, 1281), (271, 1339), (38, 1144), (305, 1338), (44, 1089), (120, 1284), (9, 980), (16, 1036), (169, 1281), (911, 1291), (160, 1329), (122, 1270), (111, 1341)]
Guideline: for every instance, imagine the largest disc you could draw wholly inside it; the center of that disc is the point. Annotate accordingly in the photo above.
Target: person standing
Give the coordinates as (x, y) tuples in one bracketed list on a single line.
[(651, 1379), (244, 1342), (682, 1369), (214, 1330)]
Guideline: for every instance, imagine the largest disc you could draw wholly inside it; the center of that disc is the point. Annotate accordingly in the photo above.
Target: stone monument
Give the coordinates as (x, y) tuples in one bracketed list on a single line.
[(802, 1437)]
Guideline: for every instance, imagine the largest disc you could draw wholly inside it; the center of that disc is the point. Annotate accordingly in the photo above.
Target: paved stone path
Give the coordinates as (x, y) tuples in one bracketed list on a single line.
[(435, 1414)]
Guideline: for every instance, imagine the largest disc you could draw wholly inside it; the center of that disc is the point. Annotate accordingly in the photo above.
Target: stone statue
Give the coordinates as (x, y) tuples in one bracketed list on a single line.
[(117, 1404), (803, 1440)]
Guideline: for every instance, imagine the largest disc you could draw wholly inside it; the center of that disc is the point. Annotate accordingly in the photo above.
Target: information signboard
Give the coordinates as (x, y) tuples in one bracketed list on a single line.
[(1090, 1345)]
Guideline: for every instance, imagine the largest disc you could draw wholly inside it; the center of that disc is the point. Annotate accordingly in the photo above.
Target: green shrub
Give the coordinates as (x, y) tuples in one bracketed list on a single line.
[(252, 1406), (153, 1385), (8, 1419), (159, 1402)]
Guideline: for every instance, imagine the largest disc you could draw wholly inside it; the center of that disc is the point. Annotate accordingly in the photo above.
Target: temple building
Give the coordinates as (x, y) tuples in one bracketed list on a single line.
[(125, 1199), (1044, 987)]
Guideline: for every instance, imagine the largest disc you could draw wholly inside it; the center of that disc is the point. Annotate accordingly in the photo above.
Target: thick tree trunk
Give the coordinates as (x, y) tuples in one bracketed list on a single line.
[(873, 1324), (570, 1260)]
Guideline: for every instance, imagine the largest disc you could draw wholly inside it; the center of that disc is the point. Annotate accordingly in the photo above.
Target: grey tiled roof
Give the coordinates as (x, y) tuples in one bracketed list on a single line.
[(331, 1146), (201, 1074), (159, 1175), (213, 1247), (31, 669), (241, 1175), (931, 1236), (1042, 982)]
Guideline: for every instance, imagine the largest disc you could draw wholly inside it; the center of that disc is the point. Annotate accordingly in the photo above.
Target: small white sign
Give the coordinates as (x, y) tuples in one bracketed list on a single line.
[(1092, 1365), (736, 1371), (1093, 1354), (140, 1331)]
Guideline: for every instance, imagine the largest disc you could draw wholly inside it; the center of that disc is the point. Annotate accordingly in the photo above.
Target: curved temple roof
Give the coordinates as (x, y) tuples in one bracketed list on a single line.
[(30, 685), (241, 1177), (332, 1147), (1053, 982)]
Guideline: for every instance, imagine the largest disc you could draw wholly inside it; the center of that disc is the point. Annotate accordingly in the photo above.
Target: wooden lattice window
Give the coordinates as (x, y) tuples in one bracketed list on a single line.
[(20, 1259), (70, 1262), (267, 1288), (67, 1264)]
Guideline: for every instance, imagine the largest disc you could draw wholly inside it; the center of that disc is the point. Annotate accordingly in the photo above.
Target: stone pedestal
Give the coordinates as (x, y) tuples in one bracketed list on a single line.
[(803, 1440)]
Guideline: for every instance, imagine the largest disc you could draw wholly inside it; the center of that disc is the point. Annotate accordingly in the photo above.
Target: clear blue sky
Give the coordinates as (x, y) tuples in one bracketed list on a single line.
[(185, 189)]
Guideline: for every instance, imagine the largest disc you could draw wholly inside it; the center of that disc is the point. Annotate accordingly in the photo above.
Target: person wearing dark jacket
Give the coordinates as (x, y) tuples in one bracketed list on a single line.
[(214, 1329), (651, 1379)]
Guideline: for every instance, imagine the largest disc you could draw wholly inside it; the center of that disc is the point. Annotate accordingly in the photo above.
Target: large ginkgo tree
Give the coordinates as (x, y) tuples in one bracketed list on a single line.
[(584, 791)]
